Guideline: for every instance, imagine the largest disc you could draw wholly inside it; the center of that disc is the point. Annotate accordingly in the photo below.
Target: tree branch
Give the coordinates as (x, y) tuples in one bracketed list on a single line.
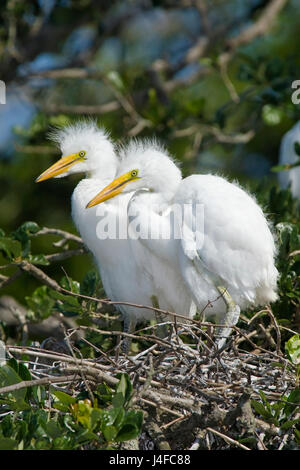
[(260, 27)]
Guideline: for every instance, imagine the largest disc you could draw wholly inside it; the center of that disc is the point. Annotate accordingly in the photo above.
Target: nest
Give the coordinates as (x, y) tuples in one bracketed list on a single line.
[(193, 395)]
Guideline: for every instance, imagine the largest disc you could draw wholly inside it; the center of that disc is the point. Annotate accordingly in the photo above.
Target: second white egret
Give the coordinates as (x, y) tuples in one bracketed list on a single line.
[(232, 268)]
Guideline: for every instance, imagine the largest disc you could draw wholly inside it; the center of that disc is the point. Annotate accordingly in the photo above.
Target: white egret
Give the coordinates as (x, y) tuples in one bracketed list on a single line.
[(234, 266), (87, 148), (288, 156)]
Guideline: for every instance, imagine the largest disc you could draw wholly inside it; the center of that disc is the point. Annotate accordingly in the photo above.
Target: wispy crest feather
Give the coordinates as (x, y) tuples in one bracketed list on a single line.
[(140, 147), (69, 133)]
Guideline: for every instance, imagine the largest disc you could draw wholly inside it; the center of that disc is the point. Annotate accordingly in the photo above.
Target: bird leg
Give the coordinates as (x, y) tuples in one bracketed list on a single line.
[(128, 327), (161, 330), (229, 318)]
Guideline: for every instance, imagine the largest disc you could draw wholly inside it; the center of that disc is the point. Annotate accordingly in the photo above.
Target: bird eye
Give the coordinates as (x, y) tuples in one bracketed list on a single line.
[(82, 153), (134, 173)]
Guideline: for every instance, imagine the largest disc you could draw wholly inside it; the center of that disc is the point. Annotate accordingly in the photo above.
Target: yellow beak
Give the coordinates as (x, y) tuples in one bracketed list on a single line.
[(112, 190), (59, 167)]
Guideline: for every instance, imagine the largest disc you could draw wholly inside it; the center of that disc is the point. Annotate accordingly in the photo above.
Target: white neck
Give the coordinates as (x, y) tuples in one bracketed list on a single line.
[(106, 168)]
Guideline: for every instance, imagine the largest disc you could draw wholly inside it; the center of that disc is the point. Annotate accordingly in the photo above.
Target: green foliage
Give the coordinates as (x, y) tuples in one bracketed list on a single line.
[(284, 213), (40, 304), (76, 422), (45, 301), (288, 264), (284, 413), (17, 246), (281, 412), (292, 347)]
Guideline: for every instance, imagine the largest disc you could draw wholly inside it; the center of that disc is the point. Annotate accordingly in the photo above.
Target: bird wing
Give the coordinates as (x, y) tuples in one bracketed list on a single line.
[(231, 243)]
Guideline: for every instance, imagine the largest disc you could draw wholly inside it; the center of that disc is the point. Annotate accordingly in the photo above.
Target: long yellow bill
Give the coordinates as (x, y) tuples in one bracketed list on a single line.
[(59, 167), (113, 189)]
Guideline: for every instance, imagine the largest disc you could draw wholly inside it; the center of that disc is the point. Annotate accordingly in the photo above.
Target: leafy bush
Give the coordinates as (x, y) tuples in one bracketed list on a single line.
[(39, 418)]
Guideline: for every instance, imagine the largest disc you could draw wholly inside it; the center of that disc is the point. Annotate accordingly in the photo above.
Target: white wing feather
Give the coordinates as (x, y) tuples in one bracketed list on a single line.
[(238, 247)]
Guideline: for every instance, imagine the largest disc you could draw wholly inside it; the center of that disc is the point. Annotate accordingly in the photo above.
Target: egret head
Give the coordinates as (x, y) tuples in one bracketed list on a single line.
[(144, 165), (85, 148)]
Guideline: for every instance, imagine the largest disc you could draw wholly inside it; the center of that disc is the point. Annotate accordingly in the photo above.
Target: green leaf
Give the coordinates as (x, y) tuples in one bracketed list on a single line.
[(67, 299), (60, 407), (63, 397), (22, 234), (292, 347), (13, 363), (104, 393), (109, 416), (85, 436), (89, 283), (96, 415), (293, 401), (38, 259), (40, 302), (52, 429), (70, 284), (8, 376), (29, 227), (118, 400), (119, 418), (134, 417), (128, 432), (24, 372), (289, 424), (297, 435), (260, 409), (22, 433), (7, 426), (123, 391), (109, 432), (11, 248), (131, 426), (7, 443)]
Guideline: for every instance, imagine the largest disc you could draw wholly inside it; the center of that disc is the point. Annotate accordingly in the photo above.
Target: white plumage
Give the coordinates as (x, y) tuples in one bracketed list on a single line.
[(121, 278), (287, 155), (238, 247)]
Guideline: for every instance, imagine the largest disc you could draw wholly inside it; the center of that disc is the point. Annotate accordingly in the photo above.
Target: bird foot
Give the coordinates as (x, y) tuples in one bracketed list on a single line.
[(229, 319), (161, 330), (128, 327)]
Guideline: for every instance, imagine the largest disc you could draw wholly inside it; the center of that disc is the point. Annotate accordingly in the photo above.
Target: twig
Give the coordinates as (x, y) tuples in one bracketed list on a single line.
[(227, 438), (31, 383), (82, 109), (59, 233), (66, 254), (278, 342), (261, 26), (294, 253), (9, 280)]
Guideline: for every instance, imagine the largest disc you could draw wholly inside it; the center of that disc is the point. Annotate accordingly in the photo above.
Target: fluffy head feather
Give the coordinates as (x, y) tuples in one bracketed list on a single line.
[(157, 170), (95, 141)]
